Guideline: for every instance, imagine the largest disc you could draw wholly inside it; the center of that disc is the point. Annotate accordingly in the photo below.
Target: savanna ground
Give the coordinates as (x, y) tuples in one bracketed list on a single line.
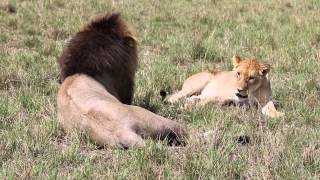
[(176, 39)]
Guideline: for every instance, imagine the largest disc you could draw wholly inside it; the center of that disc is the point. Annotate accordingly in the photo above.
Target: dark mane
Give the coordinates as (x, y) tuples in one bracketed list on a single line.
[(105, 47)]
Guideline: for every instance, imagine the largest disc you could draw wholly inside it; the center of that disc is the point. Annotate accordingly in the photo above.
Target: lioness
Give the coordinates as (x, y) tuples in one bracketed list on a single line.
[(97, 74), (247, 83)]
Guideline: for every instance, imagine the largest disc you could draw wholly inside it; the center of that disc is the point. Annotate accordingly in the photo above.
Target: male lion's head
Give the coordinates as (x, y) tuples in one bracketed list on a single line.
[(249, 75)]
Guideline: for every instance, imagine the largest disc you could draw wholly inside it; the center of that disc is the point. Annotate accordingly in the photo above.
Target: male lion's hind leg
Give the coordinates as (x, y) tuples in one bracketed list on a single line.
[(119, 136), (270, 110), (129, 138), (150, 125), (126, 138)]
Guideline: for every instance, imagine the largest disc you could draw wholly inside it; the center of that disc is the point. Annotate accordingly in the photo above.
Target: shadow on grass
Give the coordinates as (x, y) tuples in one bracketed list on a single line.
[(146, 102)]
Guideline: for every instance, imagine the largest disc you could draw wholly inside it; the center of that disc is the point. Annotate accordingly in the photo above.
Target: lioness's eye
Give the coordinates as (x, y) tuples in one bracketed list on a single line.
[(238, 74), (251, 77)]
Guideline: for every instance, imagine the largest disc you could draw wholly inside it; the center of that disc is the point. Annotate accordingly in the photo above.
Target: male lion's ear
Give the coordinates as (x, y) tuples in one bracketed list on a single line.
[(265, 68), (132, 37), (236, 60), (130, 40)]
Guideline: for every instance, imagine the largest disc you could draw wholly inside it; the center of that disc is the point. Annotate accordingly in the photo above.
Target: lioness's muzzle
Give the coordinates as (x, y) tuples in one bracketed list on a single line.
[(241, 96)]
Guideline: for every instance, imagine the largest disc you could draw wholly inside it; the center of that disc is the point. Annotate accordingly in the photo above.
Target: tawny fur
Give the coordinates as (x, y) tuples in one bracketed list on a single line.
[(97, 73), (248, 83)]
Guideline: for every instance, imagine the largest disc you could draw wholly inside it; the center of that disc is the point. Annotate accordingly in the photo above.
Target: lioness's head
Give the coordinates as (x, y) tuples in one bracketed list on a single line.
[(248, 74)]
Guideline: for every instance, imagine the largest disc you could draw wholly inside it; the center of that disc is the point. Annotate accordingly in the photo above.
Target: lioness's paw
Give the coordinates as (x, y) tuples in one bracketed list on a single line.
[(191, 102), (274, 114), (193, 99), (270, 111), (278, 114), (171, 99)]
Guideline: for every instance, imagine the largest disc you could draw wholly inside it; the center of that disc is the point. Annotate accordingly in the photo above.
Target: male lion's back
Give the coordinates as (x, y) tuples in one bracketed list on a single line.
[(104, 48)]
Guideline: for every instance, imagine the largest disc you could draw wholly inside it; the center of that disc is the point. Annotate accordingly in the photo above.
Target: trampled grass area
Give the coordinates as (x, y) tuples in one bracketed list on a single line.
[(176, 39)]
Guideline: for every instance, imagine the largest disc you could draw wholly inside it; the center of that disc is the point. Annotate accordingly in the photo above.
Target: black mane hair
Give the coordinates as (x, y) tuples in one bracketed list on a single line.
[(105, 46)]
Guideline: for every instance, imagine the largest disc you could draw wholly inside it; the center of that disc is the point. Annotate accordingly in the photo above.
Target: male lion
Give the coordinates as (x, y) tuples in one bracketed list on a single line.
[(247, 83), (97, 73)]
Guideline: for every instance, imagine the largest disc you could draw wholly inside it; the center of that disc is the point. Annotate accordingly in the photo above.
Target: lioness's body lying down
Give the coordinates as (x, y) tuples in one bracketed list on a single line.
[(248, 83), (97, 73)]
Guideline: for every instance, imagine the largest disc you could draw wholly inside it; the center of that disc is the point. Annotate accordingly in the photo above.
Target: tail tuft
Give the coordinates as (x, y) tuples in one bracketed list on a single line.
[(163, 94), (243, 139)]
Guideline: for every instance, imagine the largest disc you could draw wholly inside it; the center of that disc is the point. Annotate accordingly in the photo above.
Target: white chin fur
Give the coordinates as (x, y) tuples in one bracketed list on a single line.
[(238, 99)]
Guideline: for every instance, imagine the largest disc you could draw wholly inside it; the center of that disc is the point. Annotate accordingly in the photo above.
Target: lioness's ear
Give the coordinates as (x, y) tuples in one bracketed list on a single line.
[(265, 68), (236, 60)]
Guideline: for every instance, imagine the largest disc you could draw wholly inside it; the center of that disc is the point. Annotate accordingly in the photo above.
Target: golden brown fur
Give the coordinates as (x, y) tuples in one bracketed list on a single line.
[(97, 73), (248, 83)]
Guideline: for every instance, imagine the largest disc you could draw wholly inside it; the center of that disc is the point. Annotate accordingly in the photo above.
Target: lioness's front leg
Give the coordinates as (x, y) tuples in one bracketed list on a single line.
[(270, 110)]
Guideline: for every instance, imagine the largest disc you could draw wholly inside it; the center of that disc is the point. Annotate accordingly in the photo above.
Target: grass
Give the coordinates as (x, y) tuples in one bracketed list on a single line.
[(176, 39)]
